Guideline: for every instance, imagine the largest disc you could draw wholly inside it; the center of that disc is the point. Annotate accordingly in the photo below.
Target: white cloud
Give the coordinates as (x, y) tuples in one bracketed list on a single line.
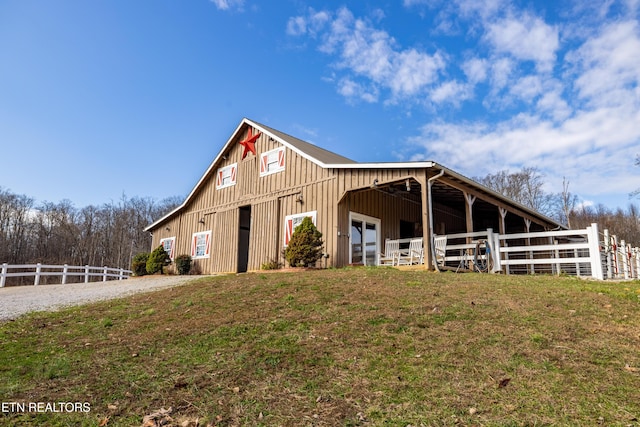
[(525, 38), (297, 26), (353, 90), (586, 147), (229, 4), (475, 69), (412, 71), (527, 88), (363, 51), (501, 71), (608, 65), (451, 92), (568, 105), (552, 104), (482, 8), (310, 25)]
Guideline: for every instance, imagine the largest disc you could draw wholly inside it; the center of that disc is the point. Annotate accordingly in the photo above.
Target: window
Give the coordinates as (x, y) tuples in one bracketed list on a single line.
[(292, 221), (201, 245), (227, 176), (272, 161), (169, 245)]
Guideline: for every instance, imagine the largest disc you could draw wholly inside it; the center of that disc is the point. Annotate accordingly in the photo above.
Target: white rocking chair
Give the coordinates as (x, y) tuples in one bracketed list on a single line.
[(413, 255), (391, 252), (440, 251)]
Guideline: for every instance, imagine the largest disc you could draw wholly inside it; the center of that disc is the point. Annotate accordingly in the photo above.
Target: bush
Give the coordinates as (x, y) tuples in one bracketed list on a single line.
[(183, 264), (139, 264), (271, 265), (305, 246), (157, 259)]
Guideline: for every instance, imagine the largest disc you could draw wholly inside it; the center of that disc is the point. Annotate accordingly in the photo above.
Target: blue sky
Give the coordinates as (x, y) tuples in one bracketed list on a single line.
[(105, 97)]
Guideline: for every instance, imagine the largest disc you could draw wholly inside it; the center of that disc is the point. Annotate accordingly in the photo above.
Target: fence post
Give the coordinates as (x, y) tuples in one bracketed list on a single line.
[(497, 259), (104, 274), (616, 258), (3, 277), (607, 251), (121, 273), (36, 281), (65, 269), (86, 274), (557, 256), (506, 258), (625, 259), (594, 251)]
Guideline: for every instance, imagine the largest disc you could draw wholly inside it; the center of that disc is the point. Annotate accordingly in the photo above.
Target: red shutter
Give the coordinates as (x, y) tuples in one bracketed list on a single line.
[(281, 158), (207, 249), (219, 182), (233, 174), (263, 163), (194, 242), (288, 231)]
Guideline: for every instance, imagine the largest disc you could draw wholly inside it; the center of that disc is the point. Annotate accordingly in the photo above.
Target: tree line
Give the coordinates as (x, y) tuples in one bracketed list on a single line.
[(527, 188), (113, 233), (59, 233)]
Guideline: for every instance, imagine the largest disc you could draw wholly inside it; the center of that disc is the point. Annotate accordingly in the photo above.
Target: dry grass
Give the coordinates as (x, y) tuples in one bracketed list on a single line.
[(338, 347)]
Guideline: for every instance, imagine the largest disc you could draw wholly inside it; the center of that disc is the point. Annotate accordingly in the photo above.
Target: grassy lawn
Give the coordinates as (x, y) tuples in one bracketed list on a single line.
[(350, 347)]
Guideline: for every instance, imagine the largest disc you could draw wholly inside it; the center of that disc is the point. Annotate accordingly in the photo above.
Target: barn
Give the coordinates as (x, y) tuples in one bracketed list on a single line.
[(263, 182)]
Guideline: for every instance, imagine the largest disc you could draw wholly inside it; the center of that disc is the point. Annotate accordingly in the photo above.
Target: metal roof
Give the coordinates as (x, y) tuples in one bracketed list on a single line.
[(330, 160), (312, 152)]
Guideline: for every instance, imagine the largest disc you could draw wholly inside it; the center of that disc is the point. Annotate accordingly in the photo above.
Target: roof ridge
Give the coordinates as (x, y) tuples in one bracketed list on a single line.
[(322, 155)]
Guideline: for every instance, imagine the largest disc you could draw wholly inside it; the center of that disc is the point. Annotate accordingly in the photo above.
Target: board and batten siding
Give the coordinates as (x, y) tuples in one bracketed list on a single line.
[(354, 187), (302, 186)]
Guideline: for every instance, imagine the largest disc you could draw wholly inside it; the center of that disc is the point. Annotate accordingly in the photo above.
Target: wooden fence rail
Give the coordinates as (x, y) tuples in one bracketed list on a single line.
[(64, 271), (583, 252)]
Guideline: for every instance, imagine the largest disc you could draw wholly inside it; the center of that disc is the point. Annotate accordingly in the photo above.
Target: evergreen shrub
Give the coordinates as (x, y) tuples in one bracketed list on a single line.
[(183, 264), (305, 245), (157, 260), (139, 264)]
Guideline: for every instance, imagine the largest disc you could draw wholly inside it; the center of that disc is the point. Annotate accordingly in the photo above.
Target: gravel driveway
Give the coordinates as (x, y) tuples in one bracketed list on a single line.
[(18, 300)]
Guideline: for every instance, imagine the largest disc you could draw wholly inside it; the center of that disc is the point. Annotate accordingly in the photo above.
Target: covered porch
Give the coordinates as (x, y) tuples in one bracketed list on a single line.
[(422, 204)]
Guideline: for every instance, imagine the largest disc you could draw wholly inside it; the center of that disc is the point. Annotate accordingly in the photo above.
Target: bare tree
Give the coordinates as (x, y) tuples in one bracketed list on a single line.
[(568, 202), (59, 233), (525, 187), (624, 224)]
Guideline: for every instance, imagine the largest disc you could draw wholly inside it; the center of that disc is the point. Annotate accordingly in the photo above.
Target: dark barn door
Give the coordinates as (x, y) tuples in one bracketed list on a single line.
[(243, 238)]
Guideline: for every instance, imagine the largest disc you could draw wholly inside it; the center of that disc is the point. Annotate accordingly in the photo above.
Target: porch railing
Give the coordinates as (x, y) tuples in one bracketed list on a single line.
[(64, 271)]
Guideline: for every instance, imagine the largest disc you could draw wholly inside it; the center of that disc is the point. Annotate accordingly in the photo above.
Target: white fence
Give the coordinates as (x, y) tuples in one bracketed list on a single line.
[(574, 252), (621, 261), (64, 271)]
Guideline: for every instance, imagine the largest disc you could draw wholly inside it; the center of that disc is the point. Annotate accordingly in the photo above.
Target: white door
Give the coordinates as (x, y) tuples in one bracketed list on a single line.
[(364, 239)]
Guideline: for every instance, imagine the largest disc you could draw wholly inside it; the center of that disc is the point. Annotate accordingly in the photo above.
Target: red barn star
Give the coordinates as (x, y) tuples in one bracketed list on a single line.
[(249, 144)]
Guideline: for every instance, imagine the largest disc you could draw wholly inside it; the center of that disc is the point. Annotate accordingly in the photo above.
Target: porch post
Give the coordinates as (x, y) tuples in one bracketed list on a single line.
[(503, 215), (426, 220), (468, 201)]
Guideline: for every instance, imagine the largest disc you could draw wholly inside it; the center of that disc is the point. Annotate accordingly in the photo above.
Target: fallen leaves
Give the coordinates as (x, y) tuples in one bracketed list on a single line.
[(163, 418), (504, 382), (159, 418)]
